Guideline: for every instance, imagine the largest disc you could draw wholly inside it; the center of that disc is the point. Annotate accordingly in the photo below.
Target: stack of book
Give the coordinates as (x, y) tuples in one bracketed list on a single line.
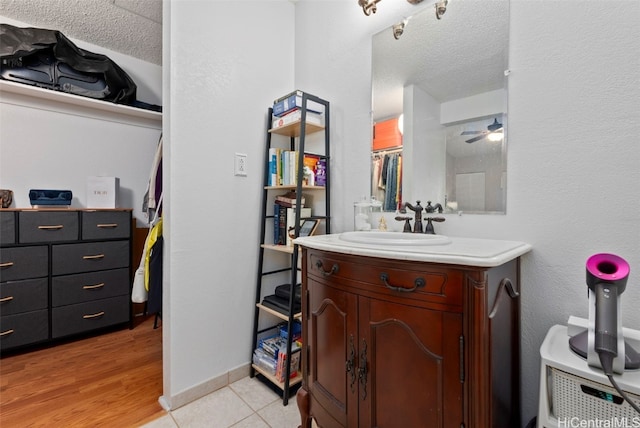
[(287, 110), (284, 215)]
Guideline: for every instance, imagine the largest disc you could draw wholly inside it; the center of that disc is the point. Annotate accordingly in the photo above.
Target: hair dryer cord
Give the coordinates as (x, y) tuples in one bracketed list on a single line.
[(623, 394)]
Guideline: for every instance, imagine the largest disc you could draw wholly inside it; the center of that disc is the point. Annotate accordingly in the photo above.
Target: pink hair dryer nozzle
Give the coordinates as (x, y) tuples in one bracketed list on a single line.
[(607, 278)]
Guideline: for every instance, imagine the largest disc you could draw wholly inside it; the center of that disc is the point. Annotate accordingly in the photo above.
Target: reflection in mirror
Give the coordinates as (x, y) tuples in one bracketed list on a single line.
[(445, 79)]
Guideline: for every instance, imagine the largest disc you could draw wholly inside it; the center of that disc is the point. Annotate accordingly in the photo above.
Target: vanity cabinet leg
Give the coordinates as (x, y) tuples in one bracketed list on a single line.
[(302, 398)]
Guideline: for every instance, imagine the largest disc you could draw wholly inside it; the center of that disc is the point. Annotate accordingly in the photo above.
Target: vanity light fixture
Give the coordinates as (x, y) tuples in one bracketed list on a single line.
[(398, 28), (370, 6), (441, 8)]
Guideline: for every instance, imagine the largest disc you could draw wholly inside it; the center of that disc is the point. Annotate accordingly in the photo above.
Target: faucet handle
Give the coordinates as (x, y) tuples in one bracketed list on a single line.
[(407, 225), (429, 227)]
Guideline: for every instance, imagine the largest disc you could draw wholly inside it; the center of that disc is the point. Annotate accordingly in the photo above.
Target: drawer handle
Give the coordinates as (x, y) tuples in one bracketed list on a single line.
[(93, 287), (419, 282), (6, 333), (7, 264), (97, 256), (91, 316), (107, 225), (53, 227), (6, 299), (334, 269)]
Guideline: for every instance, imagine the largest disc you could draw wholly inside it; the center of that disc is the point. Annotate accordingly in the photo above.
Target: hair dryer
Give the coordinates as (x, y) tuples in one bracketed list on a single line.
[(607, 278)]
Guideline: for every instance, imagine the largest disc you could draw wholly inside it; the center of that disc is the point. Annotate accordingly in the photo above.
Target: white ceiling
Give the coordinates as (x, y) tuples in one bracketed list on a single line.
[(462, 54), (131, 27)]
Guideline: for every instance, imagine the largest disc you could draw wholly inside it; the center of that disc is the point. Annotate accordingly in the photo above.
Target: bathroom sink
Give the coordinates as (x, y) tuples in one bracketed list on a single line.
[(393, 238)]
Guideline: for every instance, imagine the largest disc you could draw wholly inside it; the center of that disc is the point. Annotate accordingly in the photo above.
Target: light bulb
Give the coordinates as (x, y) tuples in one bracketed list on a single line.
[(495, 136)]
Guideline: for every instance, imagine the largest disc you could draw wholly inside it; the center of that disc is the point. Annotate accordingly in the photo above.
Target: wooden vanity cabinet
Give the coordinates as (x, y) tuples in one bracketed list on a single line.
[(392, 343)]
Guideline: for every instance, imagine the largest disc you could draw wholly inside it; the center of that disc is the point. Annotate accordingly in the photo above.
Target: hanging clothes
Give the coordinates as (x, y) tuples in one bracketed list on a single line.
[(151, 200), (154, 305)]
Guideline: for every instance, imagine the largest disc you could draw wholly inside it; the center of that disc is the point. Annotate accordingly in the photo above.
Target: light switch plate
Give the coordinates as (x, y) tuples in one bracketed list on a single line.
[(240, 164)]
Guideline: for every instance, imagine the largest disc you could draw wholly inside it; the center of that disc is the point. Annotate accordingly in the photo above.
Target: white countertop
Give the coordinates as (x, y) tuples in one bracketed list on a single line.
[(459, 251)]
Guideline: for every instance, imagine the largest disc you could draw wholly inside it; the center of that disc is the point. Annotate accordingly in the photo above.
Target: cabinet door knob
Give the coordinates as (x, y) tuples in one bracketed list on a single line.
[(419, 282)]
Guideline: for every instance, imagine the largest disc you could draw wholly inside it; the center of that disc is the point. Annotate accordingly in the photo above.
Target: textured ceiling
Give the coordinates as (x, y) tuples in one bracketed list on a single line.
[(131, 27), (462, 54)]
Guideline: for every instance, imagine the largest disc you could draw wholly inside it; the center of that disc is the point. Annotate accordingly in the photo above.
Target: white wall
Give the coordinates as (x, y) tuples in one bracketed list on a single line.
[(225, 61), (573, 162), (47, 145)]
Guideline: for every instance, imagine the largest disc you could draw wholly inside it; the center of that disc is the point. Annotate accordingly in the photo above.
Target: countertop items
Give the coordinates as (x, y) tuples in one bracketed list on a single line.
[(448, 250)]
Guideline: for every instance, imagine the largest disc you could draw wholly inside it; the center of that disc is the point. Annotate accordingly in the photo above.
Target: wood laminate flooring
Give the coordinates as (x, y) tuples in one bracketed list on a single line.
[(110, 380)]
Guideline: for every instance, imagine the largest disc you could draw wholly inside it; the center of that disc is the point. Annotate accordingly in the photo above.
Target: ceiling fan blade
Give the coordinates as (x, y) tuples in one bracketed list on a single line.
[(474, 139), (473, 132)]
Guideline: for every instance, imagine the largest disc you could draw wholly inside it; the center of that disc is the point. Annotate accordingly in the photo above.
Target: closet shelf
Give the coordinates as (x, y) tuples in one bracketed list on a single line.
[(77, 102)]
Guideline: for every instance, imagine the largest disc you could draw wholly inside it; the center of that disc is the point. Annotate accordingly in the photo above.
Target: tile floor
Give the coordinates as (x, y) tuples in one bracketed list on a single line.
[(247, 403)]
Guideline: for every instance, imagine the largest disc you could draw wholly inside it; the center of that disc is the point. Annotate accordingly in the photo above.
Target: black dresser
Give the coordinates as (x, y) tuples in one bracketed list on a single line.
[(62, 273)]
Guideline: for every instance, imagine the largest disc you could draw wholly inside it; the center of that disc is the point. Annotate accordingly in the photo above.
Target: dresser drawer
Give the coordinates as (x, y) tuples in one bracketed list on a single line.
[(48, 226), (85, 287), (23, 329), (7, 228), (88, 257), (106, 225), (23, 296), (426, 283), (72, 319), (23, 263)]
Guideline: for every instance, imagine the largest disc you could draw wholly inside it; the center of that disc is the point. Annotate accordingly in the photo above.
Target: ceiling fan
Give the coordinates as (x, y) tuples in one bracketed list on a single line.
[(493, 131)]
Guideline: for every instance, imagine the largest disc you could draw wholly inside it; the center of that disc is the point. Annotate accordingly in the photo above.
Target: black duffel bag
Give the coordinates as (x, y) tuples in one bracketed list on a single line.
[(47, 59)]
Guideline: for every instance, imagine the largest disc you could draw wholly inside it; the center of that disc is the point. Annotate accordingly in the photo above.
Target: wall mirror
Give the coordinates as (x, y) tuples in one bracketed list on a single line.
[(439, 92)]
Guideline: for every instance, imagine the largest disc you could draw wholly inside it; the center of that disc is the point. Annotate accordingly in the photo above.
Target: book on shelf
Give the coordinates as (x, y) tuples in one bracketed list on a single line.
[(283, 167), (289, 199), (295, 116), (284, 223), (293, 100)]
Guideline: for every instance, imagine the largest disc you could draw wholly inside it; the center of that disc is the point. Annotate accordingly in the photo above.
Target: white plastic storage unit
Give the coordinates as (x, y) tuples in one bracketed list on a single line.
[(574, 394)]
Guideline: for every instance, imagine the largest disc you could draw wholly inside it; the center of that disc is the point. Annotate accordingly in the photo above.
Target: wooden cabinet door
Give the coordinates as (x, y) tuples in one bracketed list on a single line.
[(332, 335), (413, 364)]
